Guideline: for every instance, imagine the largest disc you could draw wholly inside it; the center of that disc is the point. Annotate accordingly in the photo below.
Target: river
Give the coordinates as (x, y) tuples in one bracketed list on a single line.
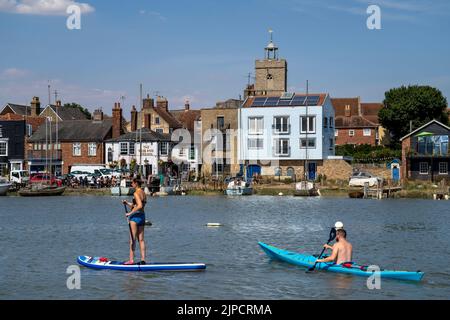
[(40, 238)]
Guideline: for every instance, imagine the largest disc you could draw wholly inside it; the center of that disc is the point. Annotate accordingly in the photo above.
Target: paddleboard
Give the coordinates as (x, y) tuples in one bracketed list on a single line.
[(106, 264)]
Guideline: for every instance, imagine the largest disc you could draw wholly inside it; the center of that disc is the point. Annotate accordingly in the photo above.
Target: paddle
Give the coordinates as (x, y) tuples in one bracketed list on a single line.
[(331, 238), (129, 226)]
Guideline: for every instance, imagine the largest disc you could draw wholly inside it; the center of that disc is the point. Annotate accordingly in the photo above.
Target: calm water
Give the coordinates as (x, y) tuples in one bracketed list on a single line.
[(40, 238)]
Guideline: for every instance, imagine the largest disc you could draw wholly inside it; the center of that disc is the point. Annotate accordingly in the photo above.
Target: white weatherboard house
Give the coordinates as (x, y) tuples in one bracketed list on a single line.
[(156, 147), (282, 135)]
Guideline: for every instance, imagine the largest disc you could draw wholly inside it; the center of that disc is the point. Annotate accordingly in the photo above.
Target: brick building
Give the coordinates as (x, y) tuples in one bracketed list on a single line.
[(73, 142), (357, 123)]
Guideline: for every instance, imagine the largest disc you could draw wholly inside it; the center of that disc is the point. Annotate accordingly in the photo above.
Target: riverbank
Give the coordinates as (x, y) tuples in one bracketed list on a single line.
[(411, 190)]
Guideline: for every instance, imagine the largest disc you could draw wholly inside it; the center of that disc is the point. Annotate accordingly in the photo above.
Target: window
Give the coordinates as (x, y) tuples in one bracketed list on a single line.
[(255, 144), (351, 133), (331, 143), (423, 168), (331, 122), (192, 153), (278, 172), (220, 122), (336, 133), (308, 143), (308, 124), (182, 152), (132, 148), (164, 148), (443, 167), (367, 132), (160, 131), (325, 122), (92, 149), (281, 124), (256, 125), (290, 172), (3, 148), (76, 150), (29, 130), (282, 147), (124, 148), (157, 120)]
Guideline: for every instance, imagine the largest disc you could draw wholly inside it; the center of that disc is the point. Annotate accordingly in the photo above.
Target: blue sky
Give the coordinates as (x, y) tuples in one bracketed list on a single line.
[(202, 50)]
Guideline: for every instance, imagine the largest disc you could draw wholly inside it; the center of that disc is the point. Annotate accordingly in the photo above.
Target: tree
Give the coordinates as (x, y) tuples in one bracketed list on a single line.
[(82, 109), (419, 104)]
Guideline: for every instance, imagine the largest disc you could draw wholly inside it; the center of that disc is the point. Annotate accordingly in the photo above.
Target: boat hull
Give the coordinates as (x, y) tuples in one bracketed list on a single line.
[(122, 191), (239, 192), (305, 260), (4, 188), (51, 192)]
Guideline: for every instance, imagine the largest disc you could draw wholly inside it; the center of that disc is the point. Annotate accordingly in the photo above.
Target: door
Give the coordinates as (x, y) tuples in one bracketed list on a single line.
[(252, 170), (396, 174), (312, 170)]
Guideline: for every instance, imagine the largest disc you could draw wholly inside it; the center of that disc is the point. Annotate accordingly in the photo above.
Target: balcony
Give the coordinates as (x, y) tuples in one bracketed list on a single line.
[(42, 155)]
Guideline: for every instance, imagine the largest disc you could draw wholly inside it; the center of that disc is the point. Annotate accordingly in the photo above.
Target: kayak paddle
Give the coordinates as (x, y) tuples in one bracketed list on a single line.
[(331, 238)]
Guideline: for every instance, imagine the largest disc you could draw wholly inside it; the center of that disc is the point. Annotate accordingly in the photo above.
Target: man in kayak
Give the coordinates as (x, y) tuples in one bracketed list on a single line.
[(342, 249)]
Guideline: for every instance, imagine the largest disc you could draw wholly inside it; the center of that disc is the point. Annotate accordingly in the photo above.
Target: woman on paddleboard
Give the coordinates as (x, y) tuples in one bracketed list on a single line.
[(136, 218)]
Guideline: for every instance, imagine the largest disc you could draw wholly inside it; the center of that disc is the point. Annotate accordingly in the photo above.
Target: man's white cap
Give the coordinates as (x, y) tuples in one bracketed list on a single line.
[(339, 225)]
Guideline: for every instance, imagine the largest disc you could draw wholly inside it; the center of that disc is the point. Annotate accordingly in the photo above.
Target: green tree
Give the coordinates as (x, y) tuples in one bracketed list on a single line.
[(419, 104), (78, 106)]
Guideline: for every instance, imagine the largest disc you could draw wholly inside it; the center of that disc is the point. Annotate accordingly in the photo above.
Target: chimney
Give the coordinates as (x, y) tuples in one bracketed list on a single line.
[(134, 119), (187, 106), (117, 121), (162, 103), (58, 103), (35, 107), (359, 107), (148, 102), (147, 121), (98, 115)]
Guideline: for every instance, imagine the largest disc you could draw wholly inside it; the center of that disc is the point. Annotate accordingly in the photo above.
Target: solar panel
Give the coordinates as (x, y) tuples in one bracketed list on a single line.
[(272, 101), (287, 96), (298, 101), (259, 102), (284, 102), (313, 100)]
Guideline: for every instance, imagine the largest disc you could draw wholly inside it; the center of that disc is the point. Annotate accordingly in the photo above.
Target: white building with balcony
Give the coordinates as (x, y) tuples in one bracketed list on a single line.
[(287, 135)]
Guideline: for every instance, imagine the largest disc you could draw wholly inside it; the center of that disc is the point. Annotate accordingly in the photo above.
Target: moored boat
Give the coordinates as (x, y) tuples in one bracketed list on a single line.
[(239, 188), (122, 191), (42, 191), (4, 187), (306, 189)]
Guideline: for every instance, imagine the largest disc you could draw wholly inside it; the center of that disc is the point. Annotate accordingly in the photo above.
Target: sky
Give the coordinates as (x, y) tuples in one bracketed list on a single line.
[(203, 50)]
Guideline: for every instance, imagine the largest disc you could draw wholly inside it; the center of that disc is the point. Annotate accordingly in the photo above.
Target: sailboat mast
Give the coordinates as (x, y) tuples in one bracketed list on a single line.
[(140, 133), (307, 128)]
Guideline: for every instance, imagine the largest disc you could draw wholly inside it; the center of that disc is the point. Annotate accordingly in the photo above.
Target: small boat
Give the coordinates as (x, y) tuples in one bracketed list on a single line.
[(122, 191), (104, 263), (306, 189), (4, 187), (239, 188), (356, 194), (306, 260), (41, 191)]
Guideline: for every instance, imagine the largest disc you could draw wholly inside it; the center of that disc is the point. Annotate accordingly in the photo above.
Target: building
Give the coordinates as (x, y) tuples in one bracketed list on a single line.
[(270, 73), (12, 145), (286, 135), (156, 118), (143, 149), (73, 142), (425, 153), (187, 154), (56, 112), (357, 123), (219, 145)]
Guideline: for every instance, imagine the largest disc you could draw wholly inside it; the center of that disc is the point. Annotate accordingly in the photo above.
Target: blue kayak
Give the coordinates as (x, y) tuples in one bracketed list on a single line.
[(103, 263), (305, 260)]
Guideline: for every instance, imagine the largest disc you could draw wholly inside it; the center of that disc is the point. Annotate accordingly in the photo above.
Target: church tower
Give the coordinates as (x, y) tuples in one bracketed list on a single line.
[(271, 73)]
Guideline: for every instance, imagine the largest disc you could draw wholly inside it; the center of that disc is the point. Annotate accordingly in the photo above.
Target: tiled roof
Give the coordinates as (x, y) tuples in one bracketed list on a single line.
[(340, 104), (370, 111), (354, 122), (187, 117), (170, 119), (76, 131), (35, 122), (68, 113), (19, 109), (147, 136)]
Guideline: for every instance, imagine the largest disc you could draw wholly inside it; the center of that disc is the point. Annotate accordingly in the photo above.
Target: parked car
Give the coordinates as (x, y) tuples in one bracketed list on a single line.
[(359, 179), (45, 178)]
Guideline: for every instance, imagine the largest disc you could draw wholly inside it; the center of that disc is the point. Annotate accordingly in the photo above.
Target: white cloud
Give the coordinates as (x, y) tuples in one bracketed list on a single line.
[(13, 73), (42, 7)]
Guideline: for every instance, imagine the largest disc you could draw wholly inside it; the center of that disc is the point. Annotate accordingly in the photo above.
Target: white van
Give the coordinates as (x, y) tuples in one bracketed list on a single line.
[(91, 168), (19, 176)]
